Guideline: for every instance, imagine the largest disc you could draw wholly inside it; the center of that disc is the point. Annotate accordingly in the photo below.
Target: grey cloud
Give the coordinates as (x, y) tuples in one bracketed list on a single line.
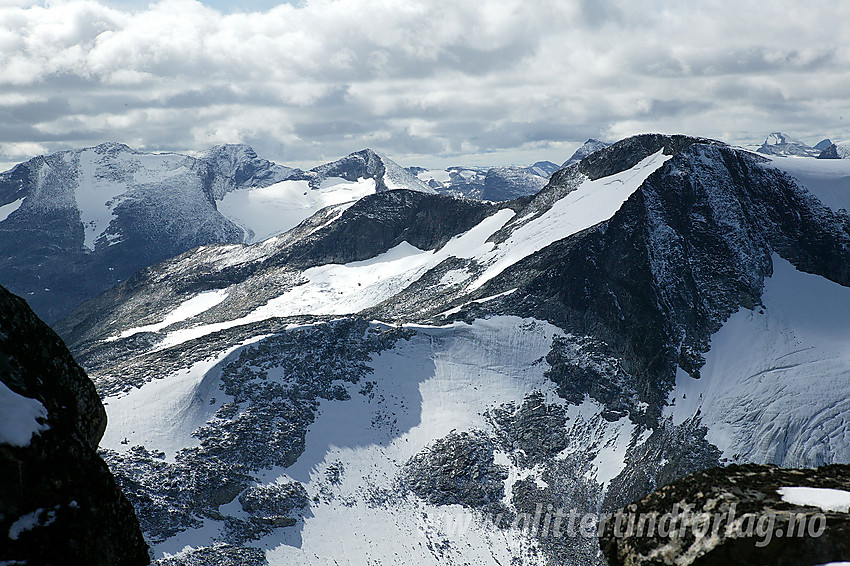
[(32, 112), (597, 13), (423, 77)]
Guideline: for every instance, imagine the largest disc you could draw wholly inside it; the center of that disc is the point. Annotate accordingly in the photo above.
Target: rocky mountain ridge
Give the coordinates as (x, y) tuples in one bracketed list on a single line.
[(543, 341), (75, 223)]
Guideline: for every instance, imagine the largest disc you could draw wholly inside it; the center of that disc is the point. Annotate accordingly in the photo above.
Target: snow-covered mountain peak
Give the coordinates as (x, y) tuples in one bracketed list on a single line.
[(778, 138), (837, 150), (778, 143), (590, 146), (368, 164), (413, 354)]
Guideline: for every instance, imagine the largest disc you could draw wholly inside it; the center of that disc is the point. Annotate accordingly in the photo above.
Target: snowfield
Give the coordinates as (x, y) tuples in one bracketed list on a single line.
[(268, 211), (164, 413), (825, 498), (8, 209), (774, 385), (188, 309), (442, 380), (827, 179)]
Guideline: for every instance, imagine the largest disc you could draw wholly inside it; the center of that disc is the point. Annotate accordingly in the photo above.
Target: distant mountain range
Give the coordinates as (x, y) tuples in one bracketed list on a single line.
[(663, 305), (494, 183), (75, 223), (498, 183), (783, 145)]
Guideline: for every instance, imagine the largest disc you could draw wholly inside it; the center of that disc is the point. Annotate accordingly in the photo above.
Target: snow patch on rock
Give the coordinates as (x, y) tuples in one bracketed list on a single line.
[(825, 498), (20, 417), (8, 209)]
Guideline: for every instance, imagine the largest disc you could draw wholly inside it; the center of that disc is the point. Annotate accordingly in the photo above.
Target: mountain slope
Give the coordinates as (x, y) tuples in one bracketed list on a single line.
[(75, 223), (590, 146), (838, 150), (495, 183), (420, 360)]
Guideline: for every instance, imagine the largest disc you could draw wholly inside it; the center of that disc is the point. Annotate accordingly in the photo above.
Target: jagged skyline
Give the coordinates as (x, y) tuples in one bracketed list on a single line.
[(428, 83)]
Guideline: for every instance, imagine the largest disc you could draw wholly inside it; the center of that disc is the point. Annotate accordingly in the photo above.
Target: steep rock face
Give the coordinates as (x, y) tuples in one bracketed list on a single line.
[(682, 254), (737, 515), (58, 501), (823, 144)]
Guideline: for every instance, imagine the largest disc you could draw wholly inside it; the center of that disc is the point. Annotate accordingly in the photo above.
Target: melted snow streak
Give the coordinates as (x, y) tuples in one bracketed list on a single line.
[(774, 386), (268, 211)]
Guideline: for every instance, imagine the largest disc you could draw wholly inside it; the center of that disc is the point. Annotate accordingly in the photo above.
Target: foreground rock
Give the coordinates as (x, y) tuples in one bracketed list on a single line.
[(58, 501), (737, 515)]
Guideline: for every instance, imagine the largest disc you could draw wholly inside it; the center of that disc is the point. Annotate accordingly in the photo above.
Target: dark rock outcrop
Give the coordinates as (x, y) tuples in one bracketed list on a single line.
[(830, 152), (736, 516), (59, 503), (458, 469)]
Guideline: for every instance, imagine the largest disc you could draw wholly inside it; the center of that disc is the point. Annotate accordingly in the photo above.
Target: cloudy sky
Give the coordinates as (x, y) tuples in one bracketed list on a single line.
[(432, 82)]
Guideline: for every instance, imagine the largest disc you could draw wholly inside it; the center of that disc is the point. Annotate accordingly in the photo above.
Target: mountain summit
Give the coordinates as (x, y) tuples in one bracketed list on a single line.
[(590, 146), (661, 306), (75, 223), (781, 144)]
